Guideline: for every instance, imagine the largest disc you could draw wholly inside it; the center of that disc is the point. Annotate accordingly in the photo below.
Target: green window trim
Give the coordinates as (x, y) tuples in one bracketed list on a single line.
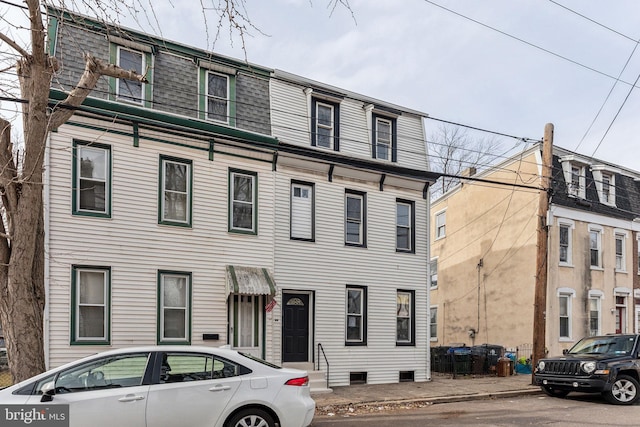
[(76, 176), (202, 96), (161, 190), (254, 203), (75, 301), (160, 338), (147, 88)]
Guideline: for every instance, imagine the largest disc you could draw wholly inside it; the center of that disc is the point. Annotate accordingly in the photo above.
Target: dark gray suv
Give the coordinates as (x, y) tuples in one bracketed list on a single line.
[(607, 364)]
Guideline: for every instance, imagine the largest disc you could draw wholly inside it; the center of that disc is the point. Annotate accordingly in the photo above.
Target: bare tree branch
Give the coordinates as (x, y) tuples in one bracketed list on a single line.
[(94, 69), (14, 45)]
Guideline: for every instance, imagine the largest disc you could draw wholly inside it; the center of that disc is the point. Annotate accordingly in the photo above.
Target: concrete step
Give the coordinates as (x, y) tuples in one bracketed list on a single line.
[(317, 379)]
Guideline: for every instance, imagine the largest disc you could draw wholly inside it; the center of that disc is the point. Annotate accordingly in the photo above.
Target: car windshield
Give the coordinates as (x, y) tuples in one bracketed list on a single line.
[(621, 345)]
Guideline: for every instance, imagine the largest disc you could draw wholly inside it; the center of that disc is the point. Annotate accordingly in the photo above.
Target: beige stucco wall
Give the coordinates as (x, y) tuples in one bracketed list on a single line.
[(486, 261)]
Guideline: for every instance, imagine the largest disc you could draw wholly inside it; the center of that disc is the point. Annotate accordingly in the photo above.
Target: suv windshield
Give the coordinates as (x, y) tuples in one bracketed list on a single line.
[(620, 345)]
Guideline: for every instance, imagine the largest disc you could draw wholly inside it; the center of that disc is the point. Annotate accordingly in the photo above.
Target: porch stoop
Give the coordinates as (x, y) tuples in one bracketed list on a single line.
[(317, 379)]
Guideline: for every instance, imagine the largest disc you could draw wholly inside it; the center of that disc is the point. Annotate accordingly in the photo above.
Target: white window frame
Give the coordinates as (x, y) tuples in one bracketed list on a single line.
[(331, 127), (253, 202), (359, 221), (432, 336), (597, 296), (408, 226), (599, 231), (162, 307), (126, 82), (433, 266), (410, 316), (638, 252), (575, 187), (440, 222), (570, 226), (388, 142), (79, 148), (620, 257), (604, 178), (355, 315), (209, 96), (302, 211), (163, 218), (76, 338), (569, 294)]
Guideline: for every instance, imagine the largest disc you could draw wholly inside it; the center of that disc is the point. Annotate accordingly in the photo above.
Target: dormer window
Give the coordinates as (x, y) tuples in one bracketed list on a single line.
[(131, 55), (324, 114), (574, 176), (605, 182)]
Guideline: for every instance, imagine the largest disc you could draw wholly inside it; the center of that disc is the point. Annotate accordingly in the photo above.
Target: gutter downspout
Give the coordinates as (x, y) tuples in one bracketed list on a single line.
[(47, 265), (428, 256)]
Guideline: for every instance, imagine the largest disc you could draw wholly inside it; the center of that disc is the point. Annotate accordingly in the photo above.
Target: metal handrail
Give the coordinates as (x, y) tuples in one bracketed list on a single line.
[(326, 361)]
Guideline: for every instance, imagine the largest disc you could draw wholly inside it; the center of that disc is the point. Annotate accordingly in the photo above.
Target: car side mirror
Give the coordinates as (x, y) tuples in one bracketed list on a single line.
[(48, 391), (565, 351)]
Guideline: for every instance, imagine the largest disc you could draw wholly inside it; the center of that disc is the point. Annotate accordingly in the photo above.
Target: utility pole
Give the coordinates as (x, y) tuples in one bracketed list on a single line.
[(540, 299)]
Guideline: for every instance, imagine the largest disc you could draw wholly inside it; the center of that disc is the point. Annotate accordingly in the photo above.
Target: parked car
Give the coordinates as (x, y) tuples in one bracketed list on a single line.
[(606, 364), (168, 386)]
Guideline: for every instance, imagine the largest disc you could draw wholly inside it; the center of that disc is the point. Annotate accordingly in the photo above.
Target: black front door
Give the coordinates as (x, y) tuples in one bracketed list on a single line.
[(295, 336)]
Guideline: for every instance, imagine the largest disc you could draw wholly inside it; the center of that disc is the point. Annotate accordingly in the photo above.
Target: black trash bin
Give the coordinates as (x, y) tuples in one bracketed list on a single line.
[(491, 354)]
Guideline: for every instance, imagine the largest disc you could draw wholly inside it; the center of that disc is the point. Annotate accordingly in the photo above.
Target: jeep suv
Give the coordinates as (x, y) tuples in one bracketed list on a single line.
[(606, 364)]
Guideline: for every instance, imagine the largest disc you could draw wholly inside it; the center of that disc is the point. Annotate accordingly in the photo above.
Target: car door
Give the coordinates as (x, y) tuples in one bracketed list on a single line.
[(193, 390), (105, 392)]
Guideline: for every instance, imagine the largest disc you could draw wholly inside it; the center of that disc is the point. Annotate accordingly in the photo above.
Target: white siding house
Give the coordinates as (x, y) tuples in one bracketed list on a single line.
[(226, 203)]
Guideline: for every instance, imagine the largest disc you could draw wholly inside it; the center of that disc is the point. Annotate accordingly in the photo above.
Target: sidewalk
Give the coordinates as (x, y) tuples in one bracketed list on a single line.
[(441, 389)]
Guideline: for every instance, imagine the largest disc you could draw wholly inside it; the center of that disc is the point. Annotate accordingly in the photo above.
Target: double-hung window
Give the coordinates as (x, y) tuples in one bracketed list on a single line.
[(441, 224), (90, 295), (325, 124), (356, 315), (217, 105), (174, 307), (131, 90), (595, 245), (243, 201), (405, 317), (433, 322), (595, 312), (384, 138), (433, 265), (175, 191), (405, 230), (129, 54), (355, 218), (92, 179), (620, 242), (302, 211), (565, 242), (565, 295)]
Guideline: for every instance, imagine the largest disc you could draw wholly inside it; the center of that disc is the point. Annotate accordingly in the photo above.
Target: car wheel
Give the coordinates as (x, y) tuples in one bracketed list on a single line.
[(251, 417), (624, 391), (554, 392)]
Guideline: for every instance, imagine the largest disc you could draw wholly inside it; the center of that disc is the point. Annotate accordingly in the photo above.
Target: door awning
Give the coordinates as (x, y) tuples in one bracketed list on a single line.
[(250, 281)]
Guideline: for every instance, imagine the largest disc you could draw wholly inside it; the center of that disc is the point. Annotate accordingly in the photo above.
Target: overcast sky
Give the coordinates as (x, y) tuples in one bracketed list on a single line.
[(521, 64)]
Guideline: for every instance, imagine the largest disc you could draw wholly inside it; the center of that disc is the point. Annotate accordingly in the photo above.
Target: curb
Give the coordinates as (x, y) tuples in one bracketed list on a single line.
[(351, 408)]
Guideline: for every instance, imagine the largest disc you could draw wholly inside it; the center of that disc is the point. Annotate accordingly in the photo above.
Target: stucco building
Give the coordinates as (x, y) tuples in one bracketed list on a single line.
[(484, 253)]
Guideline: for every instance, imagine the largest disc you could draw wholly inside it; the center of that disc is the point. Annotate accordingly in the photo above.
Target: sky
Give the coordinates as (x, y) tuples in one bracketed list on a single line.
[(507, 66)]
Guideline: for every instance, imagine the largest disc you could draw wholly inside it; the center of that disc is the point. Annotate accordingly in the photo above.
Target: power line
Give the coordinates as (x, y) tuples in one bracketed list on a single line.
[(557, 55)]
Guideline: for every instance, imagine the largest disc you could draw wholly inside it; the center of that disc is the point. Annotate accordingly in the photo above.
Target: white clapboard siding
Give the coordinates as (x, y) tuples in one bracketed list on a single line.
[(326, 266), (135, 246), (291, 124)]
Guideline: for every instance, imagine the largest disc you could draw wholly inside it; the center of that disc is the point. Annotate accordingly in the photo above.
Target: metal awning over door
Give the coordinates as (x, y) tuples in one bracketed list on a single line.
[(250, 281)]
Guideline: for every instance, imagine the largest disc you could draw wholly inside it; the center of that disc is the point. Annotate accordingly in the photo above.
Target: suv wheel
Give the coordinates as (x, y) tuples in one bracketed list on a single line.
[(554, 392), (624, 391)]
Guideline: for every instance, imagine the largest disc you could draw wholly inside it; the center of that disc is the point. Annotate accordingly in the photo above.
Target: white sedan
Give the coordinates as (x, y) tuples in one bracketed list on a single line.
[(169, 386)]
